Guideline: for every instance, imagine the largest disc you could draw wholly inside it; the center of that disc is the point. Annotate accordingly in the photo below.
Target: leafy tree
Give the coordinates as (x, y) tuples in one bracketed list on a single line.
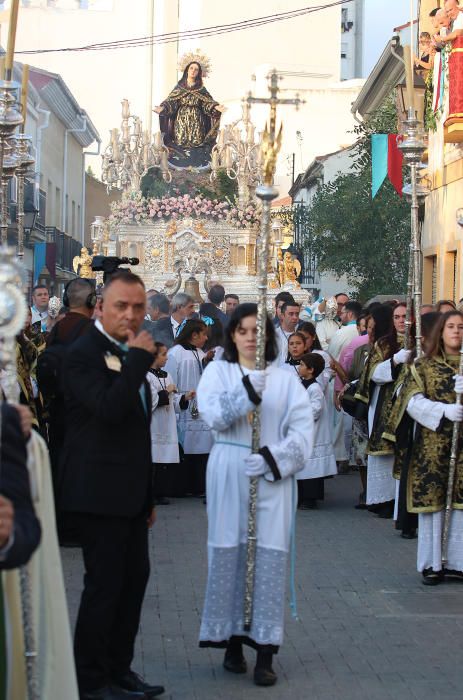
[(351, 234)]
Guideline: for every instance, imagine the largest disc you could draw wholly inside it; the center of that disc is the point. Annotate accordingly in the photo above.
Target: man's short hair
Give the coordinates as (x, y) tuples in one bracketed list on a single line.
[(179, 300), (289, 303), (341, 294), (216, 294), (161, 302), (232, 296), (125, 276), (434, 12), (39, 286), (354, 307), (78, 292), (283, 296)]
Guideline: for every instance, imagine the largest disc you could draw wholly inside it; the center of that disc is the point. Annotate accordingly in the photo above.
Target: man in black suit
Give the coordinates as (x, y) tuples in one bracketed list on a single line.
[(105, 483), (165, 329), (19, 527)]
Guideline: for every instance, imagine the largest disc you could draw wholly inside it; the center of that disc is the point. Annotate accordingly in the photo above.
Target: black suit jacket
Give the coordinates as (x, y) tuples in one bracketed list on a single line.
[(162, 331), (105, 465), (14, 485)]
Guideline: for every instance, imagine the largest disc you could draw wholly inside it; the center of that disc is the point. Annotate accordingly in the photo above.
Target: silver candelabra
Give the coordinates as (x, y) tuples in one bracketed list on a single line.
[(131, 152)]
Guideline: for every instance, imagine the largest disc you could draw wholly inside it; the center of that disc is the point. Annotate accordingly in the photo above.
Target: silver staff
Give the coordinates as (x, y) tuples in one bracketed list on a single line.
[(413, 148), (271, 144), (13, 312), (451, 479)]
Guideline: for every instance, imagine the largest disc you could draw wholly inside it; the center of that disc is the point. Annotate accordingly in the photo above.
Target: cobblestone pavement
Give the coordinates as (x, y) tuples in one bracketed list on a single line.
[(368, 628)]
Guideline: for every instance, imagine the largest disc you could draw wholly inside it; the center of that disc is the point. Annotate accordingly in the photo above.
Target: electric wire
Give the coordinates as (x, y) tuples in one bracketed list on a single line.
[(185, 35)]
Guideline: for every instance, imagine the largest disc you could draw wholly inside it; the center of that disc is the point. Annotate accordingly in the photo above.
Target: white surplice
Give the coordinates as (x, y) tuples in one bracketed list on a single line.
[(322, 462), (185, 368), (287, 430), (381, 485), (164, 439), (282, 344)]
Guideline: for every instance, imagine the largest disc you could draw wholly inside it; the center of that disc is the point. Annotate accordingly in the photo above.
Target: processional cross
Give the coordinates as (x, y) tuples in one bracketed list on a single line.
[(270, 146)]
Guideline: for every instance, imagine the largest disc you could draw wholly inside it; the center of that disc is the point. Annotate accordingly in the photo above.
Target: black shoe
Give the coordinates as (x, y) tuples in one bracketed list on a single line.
[(386, 510), (234, 661), (361, 506), (453, 574), (132, 681), (431, 577), (265, 676), (111, 693), (408, 534), (162, 501)]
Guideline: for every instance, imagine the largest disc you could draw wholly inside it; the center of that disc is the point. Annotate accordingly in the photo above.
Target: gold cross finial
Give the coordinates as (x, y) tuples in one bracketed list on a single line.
[(271, 143)]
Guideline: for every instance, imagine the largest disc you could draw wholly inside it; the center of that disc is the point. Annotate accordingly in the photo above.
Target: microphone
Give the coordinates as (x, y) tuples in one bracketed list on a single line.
[(129, 261)]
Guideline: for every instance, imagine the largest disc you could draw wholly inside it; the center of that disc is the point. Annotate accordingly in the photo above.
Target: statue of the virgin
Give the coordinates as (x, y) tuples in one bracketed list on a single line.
[(189, 119)]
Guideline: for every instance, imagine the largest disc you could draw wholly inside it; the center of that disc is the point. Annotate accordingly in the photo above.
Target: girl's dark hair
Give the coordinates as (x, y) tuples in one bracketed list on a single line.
[(159, 345), (435, 345), (214, 332), (382, 316), (299, 335), (445, 302), (199, 77), (309, 328), (193, 325), (314, 361), (243, 311)]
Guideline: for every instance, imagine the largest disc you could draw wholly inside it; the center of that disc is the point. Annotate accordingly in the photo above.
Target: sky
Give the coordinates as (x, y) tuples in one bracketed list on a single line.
[(381, 16)]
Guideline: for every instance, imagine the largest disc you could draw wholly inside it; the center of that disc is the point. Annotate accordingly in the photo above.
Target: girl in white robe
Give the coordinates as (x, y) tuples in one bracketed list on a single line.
[(322, 462), (228, 392), (166, 402), (186, 362)]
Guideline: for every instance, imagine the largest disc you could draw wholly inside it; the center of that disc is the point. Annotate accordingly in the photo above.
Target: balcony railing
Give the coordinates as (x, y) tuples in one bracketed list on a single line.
[(66, 247)]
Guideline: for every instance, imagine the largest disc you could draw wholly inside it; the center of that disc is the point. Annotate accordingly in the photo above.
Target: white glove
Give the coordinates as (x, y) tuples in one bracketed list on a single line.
[(458, 383), (255, 465), (454, 412), (257, 378), (401, 357)]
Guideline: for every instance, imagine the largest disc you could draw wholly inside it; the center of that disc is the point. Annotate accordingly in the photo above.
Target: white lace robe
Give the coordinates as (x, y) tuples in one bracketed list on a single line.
[(164, 438), (381, 485), (322, 461), (287, 430), (193, 433)]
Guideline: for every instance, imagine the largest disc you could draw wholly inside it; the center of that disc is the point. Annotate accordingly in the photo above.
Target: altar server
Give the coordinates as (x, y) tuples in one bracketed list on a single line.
[(186, 362), (228, 392), (322, 463), (166, 402)]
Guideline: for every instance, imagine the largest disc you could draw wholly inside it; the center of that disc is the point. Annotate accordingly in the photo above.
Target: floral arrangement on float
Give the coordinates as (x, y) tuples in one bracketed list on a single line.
[(184, 199), (137, 210), (247, 217)]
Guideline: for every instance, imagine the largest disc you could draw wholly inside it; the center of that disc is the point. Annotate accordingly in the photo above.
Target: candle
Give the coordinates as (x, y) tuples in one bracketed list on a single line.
[(157, 139), (409, 76), (250, 133), (24, 88), (215, 160), (11, 38), (228, 158), (164, 163), (125, 109), (221, 139)]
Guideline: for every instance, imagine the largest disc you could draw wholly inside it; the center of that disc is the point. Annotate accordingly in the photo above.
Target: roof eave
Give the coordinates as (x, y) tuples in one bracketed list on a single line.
[(386, 74)]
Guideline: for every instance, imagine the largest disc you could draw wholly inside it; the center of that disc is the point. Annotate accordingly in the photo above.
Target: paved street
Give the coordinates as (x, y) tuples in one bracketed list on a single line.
[(368, 628)]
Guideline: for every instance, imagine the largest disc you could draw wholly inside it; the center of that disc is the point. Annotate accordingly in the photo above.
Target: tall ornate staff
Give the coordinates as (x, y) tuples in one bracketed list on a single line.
[(271, 144), (451, 479)]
